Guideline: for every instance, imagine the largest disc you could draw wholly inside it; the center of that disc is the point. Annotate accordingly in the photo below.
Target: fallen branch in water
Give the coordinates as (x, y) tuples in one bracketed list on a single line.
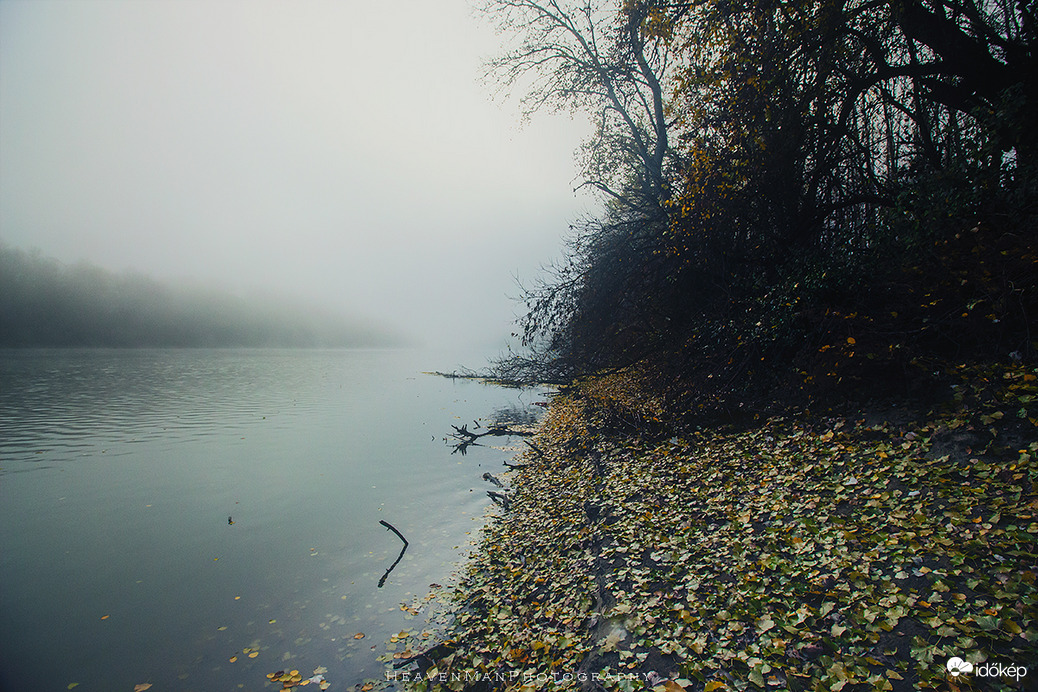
[(467, 437), (402, 551), (463, 433), (499, 499), (455, 375)]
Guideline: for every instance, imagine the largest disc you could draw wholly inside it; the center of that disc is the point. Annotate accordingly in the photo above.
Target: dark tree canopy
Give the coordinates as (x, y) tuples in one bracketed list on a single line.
[(789, 183)]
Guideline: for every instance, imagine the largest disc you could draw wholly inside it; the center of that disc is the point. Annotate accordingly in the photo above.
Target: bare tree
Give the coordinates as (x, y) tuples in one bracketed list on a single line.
[(593, 56)]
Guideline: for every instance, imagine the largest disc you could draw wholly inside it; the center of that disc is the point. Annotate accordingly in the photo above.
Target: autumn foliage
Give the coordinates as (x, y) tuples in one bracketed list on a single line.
[(806, 200)]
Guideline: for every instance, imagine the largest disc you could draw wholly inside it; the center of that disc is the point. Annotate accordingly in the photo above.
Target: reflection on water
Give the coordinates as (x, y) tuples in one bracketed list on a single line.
[(162, 511)]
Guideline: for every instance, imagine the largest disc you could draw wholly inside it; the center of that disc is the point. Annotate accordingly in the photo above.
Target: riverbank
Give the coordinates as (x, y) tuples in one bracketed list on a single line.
[(801, 552)]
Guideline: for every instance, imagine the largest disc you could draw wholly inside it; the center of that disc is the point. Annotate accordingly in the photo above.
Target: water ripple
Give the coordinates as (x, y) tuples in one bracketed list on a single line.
[(63, 404)]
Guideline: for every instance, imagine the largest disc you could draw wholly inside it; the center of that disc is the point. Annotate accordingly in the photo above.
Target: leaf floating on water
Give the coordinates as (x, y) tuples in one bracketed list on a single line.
[(142, 686), (105, 617), (232, 659), (72, 684), (254, 654), (271, 621), (358, 635)]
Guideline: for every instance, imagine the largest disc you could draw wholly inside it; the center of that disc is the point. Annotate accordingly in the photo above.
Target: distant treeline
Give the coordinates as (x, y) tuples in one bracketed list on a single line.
[(46, 303)]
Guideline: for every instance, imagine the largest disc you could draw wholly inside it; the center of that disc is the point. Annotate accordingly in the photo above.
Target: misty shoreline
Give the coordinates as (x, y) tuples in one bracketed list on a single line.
[(47, 304)]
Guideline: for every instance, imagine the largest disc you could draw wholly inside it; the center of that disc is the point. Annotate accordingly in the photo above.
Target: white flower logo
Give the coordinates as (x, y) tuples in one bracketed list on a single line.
[(956, 666)]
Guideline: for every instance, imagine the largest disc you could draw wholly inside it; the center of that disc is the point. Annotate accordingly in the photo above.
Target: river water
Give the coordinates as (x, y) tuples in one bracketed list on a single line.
[(163, 512)]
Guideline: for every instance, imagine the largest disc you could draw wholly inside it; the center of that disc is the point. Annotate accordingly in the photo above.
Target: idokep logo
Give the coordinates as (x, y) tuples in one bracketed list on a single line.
[(957, 666)]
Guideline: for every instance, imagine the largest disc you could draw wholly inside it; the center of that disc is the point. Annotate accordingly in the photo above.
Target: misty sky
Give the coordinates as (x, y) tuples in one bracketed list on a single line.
[(338, 151)]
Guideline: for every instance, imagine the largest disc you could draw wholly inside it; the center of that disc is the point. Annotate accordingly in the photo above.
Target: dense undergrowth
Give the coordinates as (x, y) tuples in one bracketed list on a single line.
[(795, 442), (857, 551)]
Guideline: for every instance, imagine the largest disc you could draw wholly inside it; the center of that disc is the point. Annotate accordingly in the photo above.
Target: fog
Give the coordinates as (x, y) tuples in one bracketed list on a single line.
[(46, 303), (344, 154)]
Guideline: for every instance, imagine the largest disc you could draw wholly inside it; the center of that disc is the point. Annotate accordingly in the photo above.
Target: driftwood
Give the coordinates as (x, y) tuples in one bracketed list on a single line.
[(463, 433), (467, 437), (403, 550), (499, 499), (535, 448), (455, 375)]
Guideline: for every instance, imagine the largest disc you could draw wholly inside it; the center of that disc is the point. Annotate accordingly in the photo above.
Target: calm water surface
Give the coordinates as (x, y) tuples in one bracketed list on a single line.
[(120, 472)]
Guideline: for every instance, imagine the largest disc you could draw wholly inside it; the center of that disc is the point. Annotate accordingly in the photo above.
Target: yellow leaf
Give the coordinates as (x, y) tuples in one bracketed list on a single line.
[(358, 635), (672, 686), (851, 341), (254, 654), (141, 687), (232, 659), (713, 685)]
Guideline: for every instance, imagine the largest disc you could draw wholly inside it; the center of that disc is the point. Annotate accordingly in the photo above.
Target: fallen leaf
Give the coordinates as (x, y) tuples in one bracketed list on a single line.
[(142, 686), (358, 635)]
